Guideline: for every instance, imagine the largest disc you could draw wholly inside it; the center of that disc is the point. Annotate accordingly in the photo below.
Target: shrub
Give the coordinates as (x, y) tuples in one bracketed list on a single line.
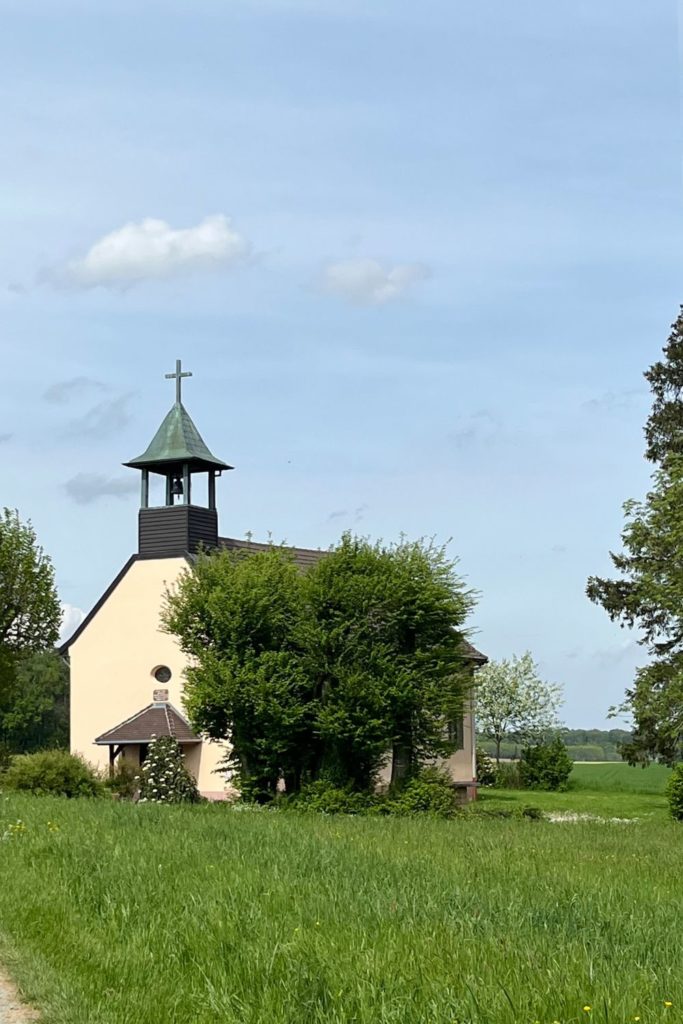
[(483, 810), (53, 771), (507, 775), (6, 755), (125, 782), (546, 766), (164, 777), (323, 796), (431, 791), (486, 768), (674, 792)]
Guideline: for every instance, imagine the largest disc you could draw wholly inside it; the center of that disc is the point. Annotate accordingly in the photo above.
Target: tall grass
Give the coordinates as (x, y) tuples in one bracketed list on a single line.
[(179, 914)]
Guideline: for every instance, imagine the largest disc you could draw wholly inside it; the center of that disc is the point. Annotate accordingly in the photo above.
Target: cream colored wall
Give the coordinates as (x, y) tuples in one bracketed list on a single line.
[(462, 764), (112, 663)]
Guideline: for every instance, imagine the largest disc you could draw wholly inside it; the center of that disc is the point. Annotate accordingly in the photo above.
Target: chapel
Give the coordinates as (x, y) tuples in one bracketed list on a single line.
[(126, 672)]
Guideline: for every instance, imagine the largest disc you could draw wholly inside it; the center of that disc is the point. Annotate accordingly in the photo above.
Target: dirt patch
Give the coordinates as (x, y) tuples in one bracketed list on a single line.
[(12, 1010)]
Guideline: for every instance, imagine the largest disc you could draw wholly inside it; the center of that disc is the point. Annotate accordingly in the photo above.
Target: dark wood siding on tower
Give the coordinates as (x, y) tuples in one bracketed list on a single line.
[(176, 530)]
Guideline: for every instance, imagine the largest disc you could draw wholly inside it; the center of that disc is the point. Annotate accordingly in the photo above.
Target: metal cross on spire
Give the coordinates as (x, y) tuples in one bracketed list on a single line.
[(177, 376)]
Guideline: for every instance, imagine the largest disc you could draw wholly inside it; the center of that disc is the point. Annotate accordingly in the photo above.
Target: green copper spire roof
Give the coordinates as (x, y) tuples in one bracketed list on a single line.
[(177, 441)]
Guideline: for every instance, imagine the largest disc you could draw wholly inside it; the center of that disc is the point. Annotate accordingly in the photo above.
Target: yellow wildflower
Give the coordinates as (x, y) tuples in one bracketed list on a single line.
[(587, 1009), (667, 1002)]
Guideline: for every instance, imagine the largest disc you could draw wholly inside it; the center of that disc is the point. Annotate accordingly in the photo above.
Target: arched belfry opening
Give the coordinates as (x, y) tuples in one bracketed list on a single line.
[(182, 521)]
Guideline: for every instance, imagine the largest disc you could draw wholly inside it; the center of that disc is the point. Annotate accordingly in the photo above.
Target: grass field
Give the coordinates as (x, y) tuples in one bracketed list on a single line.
[(607, 790), (113, 913)]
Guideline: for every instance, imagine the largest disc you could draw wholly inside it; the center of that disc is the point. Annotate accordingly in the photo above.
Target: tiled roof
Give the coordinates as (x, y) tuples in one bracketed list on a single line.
[(153, 721), (472, 654), (304, 557), (307, 557)]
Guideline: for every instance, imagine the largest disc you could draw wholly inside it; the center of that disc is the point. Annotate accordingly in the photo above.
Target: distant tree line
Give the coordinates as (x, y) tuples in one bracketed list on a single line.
[(583, 744)]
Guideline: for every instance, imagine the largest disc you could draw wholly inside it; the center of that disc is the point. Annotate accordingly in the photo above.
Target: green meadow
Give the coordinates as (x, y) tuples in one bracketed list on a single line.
[(112, 913)]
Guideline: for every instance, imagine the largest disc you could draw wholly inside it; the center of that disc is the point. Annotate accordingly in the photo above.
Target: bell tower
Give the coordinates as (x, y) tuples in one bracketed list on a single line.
[(177, 454)]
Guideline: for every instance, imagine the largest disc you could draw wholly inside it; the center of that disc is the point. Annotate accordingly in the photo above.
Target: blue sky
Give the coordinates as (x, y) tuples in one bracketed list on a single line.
[(417, 257)]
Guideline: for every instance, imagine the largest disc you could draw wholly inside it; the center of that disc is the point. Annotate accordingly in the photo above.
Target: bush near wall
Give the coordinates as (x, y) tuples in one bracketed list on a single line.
[(163, 777), (429, 792), (54, 772), (486, 768)]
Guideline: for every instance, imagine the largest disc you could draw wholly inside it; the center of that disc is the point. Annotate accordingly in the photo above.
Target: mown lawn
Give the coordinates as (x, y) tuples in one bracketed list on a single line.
[(116, 913)]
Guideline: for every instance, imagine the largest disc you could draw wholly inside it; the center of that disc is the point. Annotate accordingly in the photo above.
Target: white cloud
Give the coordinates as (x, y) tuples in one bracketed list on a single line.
[(105, 419), (366, 282), (84, 488), (71, 620), (64, 390), (151, 250)]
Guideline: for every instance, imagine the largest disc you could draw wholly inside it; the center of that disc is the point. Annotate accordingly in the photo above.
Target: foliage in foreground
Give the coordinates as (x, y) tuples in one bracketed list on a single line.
[(209, 914), (54, 772), (164, 777), (124, 782), (674, 793), (647, 592), (429, 792), (318, 675)]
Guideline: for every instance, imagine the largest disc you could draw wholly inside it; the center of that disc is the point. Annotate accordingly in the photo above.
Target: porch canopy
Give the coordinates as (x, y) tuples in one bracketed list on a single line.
[(153, 721)]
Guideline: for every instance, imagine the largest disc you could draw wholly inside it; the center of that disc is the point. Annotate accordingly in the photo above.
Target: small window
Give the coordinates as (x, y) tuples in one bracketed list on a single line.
[(162, 673), (456, 733)]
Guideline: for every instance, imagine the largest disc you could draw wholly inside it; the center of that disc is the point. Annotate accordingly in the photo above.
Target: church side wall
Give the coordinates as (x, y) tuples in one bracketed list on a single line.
[(461, 766), (113, 659)]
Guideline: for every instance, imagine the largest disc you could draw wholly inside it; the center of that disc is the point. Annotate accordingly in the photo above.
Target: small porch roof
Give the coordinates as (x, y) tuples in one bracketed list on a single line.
[(158, 719)]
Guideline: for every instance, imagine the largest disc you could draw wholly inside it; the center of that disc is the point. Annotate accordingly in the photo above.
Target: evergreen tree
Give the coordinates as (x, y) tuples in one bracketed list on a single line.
[(664, 427), (648, 593)]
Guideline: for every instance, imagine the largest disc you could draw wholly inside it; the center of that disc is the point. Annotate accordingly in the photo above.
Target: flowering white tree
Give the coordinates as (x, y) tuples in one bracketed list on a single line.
[(164, 777), (513, 702)]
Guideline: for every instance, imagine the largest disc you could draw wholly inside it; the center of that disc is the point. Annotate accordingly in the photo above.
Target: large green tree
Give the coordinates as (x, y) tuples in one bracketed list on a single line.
[(36, 715), (30, 616), (321, 674), (240, 618), (387, 651), (647, 593)]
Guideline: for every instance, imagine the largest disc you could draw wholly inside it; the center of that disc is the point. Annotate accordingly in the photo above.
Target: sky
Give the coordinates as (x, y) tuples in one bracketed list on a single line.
[(416, 256)]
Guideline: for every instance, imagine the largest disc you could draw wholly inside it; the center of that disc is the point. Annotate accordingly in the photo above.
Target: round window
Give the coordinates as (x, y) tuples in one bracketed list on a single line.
[(162, 674)]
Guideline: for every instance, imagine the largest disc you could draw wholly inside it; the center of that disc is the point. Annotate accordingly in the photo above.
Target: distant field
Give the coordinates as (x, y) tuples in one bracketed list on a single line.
[(608, 790), (112, 913), (620, 778)]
